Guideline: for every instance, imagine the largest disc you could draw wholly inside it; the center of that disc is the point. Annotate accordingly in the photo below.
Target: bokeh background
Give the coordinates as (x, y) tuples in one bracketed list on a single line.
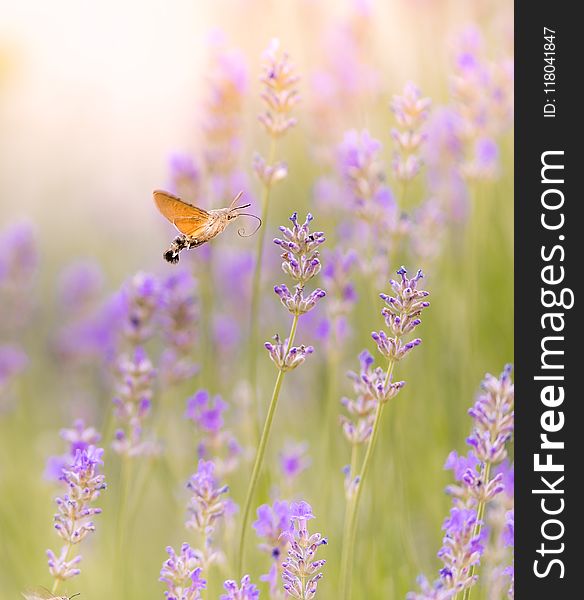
[(96, 102)]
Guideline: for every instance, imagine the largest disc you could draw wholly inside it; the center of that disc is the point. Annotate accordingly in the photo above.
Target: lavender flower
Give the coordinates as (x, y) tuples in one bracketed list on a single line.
[(374, 389), (79, 437), (182, 574), (362, 172), (73, 521), (205, 507), (493, 418), (301, 262), (179, 317), (462, 548), (185, 177), (18, 266), (80, 285), (133, 403), (411, 111), (271, 523), (142, 297), (475, 488), (222, 124), (247, 591), (294, 460), (301, 573), (401, 316), (280, 94), (206, 412)]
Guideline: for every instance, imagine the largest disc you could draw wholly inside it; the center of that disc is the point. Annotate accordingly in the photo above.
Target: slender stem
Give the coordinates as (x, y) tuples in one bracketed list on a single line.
[(351, 529), (256, 281), (259, 458), (478, 525)]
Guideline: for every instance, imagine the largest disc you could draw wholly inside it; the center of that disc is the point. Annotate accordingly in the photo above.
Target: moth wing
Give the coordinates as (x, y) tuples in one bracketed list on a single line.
[(173, 208), (191, 226), (38, 593)]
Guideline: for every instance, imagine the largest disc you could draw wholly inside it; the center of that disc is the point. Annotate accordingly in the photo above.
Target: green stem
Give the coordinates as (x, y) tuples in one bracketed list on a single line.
[(259, 458), (478, 526), (256, 281), (353, 510)]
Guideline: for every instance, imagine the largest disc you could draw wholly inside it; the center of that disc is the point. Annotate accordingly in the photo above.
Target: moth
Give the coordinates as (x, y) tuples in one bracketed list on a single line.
[(195, 224), (41, 593)]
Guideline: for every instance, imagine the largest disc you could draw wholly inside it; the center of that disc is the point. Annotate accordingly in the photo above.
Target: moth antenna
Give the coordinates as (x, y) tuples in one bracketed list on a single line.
[(73, 596), (241, 232), (236, 199), (240, 207)]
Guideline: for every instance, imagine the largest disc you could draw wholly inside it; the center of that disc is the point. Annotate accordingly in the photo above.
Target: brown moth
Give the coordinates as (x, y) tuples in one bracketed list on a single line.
[(195, 224), (41, 593)]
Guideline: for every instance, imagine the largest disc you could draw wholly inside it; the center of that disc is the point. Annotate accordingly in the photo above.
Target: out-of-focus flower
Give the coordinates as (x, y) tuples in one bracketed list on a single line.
[(301, 573), (218, 443), (483, 95), (361, 169), (73, 521), (205, 507), (80, 286), (247, 590), (182, 574), (142, 298), (269, 174), (185, 178), (410, 111), (78, 437), (222, 123), (294, 459), (427, 230), (133, 403), (279, 94), (493, 418), (179, 317), (18, 266)]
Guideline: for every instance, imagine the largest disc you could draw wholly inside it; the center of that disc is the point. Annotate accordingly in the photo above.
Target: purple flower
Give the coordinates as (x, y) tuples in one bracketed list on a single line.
[(178, 316), (185, 177), (462, 548), (222, 122), (182, 574), (73, 521), (142, 298), (361, 170), (294, 459), (285, 358), (247, 591), (18, 266), (80, 285), (132, 404), (411, 111), (493, 417), (271, 523), (206, 411), (401, 313), (205, 506), (279, 94), (301, 573)]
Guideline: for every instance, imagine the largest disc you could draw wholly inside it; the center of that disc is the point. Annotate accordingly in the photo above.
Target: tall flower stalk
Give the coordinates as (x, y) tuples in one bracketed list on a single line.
[(279, 96), (401, 314), (476, 486), (75, 511), (301, 263)]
